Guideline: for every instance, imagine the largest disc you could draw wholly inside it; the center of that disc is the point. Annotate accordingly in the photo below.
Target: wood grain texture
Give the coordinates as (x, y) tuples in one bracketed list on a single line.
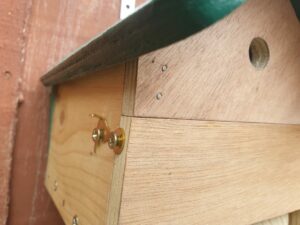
[(209, 75), (128, 109), (114, 203), (294, 218), (12, 15), (54, 28), (83, 179), (185, 171), (129, 87)]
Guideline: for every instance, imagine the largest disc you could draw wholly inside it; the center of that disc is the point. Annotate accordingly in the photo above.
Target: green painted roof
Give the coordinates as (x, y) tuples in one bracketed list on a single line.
[(155, 25), (296, 4)]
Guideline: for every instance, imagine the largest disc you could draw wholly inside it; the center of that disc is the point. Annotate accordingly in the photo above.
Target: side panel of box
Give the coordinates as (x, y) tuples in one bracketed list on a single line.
[(187, 172), (78, 180), (209, 76)]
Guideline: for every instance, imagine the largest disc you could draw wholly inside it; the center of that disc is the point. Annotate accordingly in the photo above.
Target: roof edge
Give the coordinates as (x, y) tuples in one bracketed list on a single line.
[(157, 24)]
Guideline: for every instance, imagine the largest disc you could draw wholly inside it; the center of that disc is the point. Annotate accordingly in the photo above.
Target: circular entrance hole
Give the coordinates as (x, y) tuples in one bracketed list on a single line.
[(259, 53)]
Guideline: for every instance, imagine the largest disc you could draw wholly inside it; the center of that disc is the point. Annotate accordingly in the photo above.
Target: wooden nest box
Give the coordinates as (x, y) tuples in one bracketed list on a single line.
[(186, 112)]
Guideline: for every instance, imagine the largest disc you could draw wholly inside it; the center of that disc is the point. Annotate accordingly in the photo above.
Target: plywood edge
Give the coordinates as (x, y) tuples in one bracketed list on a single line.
[(114, 202), (52, 104), (130, 82), (294, 218)]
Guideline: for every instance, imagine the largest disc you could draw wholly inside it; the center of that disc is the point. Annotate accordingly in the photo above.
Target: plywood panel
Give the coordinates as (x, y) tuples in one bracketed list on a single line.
[(185, 171), (129, 87), (78, 180), (209, 75)]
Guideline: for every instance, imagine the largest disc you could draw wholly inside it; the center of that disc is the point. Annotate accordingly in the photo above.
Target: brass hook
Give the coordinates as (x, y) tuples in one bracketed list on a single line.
[(102, 134)]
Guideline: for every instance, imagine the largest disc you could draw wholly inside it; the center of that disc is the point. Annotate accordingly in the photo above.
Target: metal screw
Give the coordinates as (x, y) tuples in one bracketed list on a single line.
[(55, 187), (164, 68), (116, 140), (159, 95), (97, 134), (75, 220), (113, 141)]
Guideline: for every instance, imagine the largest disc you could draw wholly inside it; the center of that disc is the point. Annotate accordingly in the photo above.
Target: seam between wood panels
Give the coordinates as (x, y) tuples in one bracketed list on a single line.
[(130, 84), (204, 120), (115, 196)]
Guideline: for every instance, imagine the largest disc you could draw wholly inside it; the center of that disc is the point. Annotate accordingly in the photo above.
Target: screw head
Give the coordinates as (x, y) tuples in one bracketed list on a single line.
[(113, 140), (97, 134), (164, 68), (55, 186), (159, 95), (75, 220), (116, 140)]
